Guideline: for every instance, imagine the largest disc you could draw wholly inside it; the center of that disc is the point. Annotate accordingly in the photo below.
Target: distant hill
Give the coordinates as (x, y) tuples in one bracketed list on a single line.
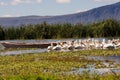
[(90, 16)]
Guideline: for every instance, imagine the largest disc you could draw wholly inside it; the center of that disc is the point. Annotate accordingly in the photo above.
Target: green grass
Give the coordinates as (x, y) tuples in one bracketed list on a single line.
[(53, 65)]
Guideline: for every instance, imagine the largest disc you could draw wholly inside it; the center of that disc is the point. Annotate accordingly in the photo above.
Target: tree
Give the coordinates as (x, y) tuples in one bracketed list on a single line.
[(2, 33)]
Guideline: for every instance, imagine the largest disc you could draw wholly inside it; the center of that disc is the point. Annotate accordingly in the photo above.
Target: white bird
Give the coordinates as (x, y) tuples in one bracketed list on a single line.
[(116, 43), (103, 43), (50, 47), (78, 45), (71, 46), (57, 47), (64, 45), (109, 45)]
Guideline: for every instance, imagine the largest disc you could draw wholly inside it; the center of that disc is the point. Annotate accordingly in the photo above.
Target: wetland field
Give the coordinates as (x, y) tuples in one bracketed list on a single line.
[(73, 65), (60, 40)]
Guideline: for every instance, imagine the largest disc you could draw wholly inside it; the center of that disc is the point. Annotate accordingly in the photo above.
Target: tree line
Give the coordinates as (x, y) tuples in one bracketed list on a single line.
[(108, 28)]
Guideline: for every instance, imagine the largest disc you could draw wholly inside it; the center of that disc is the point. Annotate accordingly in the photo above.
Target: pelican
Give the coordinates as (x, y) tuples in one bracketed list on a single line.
[(78, 45), (50, 47), (109, 45), (92, 44), (116, 43), (103, 43), (97, 44), (64, 45), (71, 46), (57, 47)]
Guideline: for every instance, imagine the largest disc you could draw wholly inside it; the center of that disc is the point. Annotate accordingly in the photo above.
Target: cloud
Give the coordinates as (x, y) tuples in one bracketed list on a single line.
[(10, 15), (16, 2), (105, 0), (7, 15), (78, 11), (39, 1), (3, 4), (63, 1)]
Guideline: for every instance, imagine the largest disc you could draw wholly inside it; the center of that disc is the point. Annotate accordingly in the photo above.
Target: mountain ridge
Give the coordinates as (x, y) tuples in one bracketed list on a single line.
[(94, 15)]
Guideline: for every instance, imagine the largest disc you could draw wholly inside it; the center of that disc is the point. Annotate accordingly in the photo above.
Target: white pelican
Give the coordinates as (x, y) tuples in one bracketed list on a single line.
[(57, 47), (71, 46), (109, 45), (116, 43), (97, 44), (103, 43), (50, 47), (78, 45), (64, 45)]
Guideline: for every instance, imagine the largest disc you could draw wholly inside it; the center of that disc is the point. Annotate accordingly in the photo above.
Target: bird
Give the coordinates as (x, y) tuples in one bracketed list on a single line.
[(64, 45), (71, 45), (109, 45), (57, 47), (78, 45), (50, 47)]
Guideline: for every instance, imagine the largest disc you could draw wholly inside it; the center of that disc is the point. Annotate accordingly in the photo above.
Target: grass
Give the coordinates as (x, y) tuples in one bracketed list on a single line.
[(54, 65)]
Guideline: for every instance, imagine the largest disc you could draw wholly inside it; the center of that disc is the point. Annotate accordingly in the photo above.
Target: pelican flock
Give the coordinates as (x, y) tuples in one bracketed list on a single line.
[(87, 44)]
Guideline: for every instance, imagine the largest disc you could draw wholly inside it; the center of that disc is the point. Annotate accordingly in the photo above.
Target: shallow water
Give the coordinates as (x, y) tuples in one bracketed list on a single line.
[(99, 71), (91, 69), (16, 52), (49, 40), (108, 68), (105, 58)]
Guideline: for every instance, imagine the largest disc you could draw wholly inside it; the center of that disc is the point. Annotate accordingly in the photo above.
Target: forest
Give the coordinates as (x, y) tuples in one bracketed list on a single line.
[(107, 28)]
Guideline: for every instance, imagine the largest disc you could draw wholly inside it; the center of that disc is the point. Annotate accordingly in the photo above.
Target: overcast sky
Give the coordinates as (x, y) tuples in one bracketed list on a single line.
[(15, 8)]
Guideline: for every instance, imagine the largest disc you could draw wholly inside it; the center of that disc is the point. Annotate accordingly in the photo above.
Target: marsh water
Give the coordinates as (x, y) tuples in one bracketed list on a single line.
[(36, 41), (111, 63), (16, 52), (107, 65), (50, 40)]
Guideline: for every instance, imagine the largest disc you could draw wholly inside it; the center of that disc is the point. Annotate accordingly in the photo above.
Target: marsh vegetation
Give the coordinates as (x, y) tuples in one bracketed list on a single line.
[(60, 65)]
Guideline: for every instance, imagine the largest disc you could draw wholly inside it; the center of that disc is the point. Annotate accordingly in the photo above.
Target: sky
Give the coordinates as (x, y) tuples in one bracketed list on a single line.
[(16, 8)]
